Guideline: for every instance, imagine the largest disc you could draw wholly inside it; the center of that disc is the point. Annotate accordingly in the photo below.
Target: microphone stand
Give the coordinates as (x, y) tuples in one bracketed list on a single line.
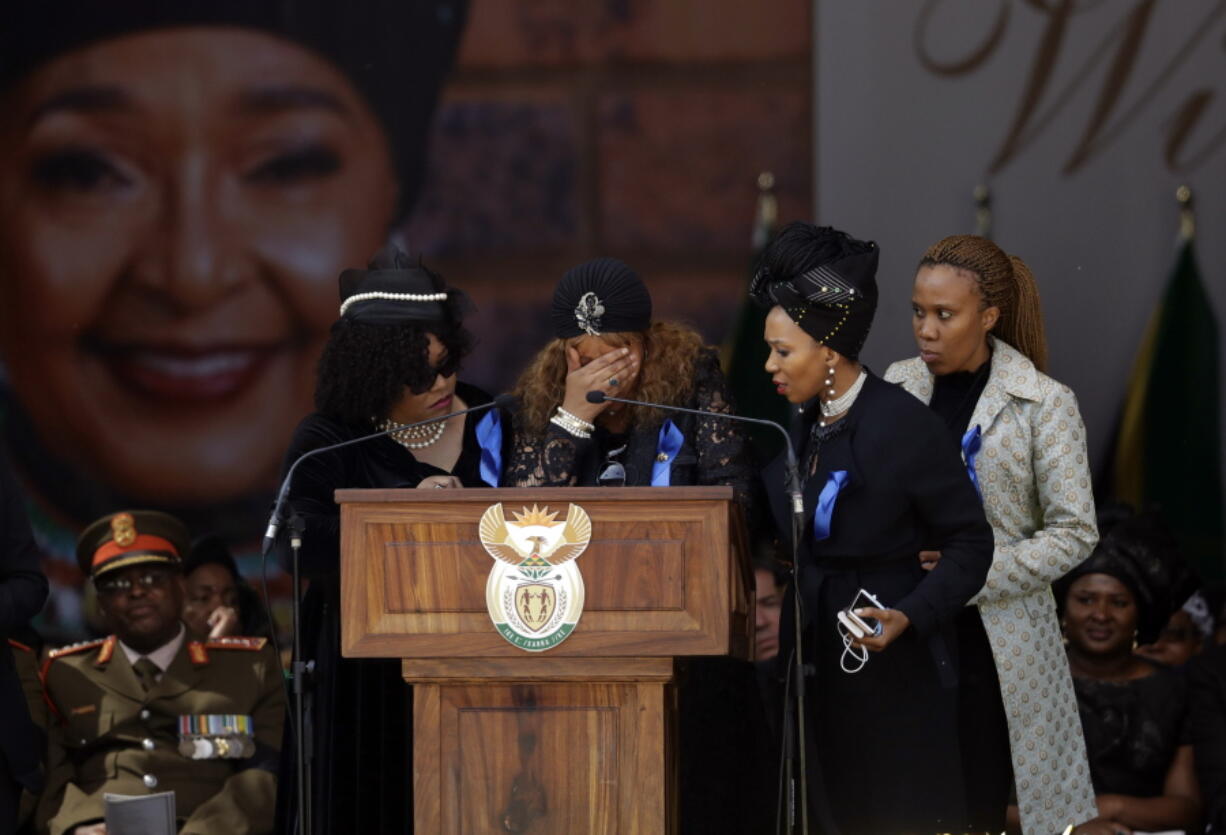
[(794, 744), (300, 669)]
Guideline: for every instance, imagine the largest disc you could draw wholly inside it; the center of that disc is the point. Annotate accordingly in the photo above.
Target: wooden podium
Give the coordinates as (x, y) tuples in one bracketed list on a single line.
[(576, 739)]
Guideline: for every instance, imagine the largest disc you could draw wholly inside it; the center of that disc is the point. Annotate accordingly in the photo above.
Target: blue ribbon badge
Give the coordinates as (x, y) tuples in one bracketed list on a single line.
[(489, 436), (825, 504), (667, 448), (971, 442)]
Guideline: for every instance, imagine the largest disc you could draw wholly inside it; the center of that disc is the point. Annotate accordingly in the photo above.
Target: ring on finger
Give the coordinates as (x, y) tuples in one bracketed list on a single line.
[(613, 382)]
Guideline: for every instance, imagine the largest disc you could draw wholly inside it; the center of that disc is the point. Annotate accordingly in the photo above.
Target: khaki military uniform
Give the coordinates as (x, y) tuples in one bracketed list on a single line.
[(110, 735)]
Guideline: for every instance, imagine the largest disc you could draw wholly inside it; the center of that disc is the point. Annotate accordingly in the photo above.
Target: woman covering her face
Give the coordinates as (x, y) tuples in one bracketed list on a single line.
[(882, 480), (1134, 711), (979, 329), (182, 182), (391, 360), (605, 340)]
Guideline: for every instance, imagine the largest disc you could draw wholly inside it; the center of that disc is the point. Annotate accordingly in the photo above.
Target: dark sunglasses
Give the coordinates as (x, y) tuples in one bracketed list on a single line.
[(445, 368), (123, 585)]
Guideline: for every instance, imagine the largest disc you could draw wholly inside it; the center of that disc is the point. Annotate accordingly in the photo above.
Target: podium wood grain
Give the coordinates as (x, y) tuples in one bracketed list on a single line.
[(579, 739)]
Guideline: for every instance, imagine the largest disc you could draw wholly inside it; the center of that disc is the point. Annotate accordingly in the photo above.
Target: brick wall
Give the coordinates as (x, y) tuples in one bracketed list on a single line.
[(633, 128)]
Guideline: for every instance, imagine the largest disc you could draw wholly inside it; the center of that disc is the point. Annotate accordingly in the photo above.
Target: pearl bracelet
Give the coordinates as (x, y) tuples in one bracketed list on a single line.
[(572, 424)]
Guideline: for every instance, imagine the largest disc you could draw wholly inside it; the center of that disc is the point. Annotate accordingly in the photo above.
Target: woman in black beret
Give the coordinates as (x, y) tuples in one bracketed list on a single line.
[(1134, 711), (882, 480), (605, 340), (392, 359)]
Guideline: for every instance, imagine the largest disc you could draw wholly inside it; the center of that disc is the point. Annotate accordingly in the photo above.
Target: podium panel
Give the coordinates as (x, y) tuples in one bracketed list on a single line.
[(657, 572), (581, 737)]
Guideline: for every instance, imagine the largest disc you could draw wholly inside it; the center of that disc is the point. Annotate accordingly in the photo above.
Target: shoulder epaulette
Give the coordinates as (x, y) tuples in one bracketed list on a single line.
[(73, 649), (237, 642), (107, 645)]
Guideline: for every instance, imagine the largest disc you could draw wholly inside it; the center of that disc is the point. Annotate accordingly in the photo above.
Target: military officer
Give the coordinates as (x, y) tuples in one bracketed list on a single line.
[(153, 707)]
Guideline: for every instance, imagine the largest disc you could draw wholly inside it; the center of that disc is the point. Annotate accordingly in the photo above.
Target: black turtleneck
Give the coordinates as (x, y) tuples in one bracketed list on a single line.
[(955, 395)]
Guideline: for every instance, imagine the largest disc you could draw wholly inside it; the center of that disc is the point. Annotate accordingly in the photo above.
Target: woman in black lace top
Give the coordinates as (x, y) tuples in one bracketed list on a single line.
[(606, 341)]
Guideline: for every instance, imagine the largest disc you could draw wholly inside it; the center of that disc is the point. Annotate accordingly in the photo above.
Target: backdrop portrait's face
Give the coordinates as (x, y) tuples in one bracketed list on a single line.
[(175, 207)]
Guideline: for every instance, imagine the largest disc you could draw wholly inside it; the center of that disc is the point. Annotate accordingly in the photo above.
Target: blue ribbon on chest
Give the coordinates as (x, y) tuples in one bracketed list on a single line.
[(489, 437), (971, 442), (667, 447), (824, 511)]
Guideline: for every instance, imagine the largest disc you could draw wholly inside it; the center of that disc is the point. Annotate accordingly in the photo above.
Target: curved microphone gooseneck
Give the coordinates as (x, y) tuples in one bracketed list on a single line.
[(792, 476)]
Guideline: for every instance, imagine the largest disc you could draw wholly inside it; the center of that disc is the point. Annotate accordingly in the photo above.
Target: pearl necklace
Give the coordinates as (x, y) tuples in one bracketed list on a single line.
[(839, 405), (417, 437)]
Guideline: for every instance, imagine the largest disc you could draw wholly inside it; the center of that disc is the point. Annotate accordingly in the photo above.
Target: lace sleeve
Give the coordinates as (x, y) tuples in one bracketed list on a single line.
[(549, 461), (720, 444)]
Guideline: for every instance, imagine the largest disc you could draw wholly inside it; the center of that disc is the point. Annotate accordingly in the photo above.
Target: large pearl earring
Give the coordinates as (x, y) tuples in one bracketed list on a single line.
[(829, 387)]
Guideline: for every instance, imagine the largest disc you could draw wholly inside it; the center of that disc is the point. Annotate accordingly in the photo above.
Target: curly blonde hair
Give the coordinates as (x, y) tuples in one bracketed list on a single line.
[(670, 351)]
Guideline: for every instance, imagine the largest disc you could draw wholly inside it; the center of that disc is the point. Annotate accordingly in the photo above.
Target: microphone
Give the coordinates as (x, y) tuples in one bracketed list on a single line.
[(793, 473), (796, 663), (502, 401)]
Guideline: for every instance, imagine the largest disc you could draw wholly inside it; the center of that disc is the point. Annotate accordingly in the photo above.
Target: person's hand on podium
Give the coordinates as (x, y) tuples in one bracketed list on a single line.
[(439, 482)]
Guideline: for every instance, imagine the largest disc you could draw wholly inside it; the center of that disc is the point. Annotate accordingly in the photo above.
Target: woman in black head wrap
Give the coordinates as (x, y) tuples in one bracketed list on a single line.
[(882, 479), (1134, 711), (605, 340), (392, 359)]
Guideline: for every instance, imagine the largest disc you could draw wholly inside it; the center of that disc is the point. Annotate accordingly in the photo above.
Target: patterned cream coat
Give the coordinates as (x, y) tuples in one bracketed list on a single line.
[(1034, 474)]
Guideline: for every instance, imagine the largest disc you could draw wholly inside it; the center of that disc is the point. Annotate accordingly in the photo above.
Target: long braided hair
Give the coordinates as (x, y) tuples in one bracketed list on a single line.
[(1004, 282)]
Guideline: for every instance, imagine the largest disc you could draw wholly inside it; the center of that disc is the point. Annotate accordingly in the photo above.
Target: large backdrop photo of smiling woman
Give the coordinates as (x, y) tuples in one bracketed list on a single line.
[(180, 186)]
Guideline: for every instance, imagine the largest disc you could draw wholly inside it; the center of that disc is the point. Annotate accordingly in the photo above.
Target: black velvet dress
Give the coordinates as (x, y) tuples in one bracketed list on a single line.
[(981, 714), (884, 742), (725, 783), (362, 711)]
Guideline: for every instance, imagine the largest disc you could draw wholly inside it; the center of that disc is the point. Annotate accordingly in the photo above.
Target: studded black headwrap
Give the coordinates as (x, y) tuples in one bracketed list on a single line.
[(825, 280), (603, 295), (395, 52)]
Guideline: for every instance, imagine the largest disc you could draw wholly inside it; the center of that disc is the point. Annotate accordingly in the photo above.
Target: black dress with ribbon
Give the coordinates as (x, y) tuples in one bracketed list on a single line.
[(361, 712), (880, 485), (727, 783)]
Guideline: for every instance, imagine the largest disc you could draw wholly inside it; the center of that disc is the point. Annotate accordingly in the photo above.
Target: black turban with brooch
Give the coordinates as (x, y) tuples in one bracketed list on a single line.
[(603, 295), (395, 52), (825, 280), (1142, 554), (395, 290)]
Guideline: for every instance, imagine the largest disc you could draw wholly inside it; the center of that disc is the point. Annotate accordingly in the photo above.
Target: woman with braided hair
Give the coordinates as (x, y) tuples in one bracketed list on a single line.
[(983, 355)]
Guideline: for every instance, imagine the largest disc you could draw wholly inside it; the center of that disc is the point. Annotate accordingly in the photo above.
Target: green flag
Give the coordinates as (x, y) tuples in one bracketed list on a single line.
[(744, 351), (1168, 450)]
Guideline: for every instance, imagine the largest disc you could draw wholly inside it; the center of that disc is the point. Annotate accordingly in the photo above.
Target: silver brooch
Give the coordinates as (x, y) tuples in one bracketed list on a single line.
[(588, 312)]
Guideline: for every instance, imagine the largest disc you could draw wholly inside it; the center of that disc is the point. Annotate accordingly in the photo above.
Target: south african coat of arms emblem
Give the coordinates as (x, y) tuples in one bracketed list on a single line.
[(535, 591)]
